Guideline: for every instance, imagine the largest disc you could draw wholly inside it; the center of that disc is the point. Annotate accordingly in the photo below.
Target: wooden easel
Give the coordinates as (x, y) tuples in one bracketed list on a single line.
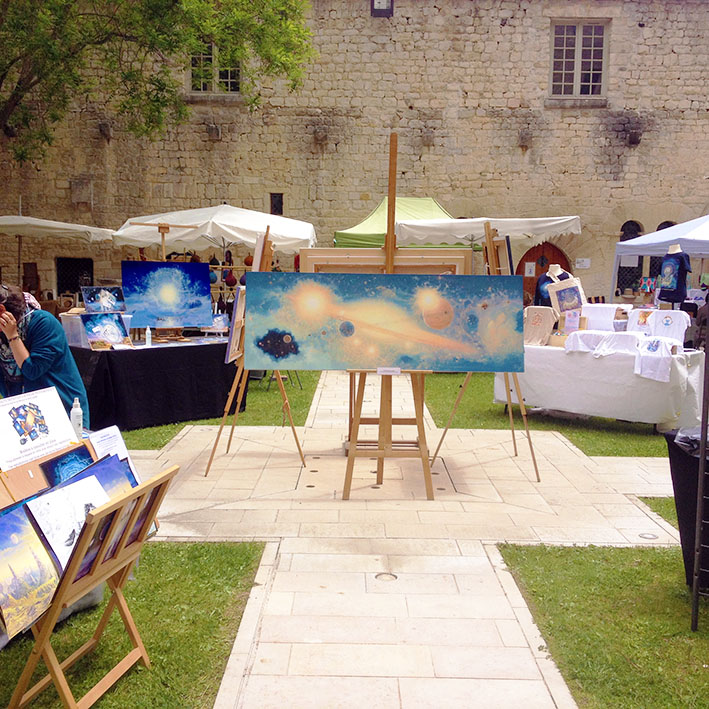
[(242, 376), (125, 522), (492, 248), (385, 447)]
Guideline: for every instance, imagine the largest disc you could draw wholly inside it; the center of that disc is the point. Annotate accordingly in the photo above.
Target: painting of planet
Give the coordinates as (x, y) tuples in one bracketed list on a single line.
[(167, 294), (103, 330), (364, 321)]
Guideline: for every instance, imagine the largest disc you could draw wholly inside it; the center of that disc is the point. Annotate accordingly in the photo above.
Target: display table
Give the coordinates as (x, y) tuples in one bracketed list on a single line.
[(578, 382), (150, 386)]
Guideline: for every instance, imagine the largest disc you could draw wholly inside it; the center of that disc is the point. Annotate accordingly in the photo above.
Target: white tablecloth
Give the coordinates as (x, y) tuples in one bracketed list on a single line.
[(580, 383)]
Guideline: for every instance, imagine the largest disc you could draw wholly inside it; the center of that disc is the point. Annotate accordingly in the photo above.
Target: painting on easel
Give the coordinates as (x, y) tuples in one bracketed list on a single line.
[(237, 317), (167, 294), (366, 321)]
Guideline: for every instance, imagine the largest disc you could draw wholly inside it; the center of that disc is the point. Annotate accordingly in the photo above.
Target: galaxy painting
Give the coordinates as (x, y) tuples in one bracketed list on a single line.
[(331, 321), (103, 299), (103, 330), (167, 294)]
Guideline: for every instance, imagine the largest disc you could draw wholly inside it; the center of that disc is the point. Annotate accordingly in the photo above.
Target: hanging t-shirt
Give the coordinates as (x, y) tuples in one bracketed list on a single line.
[(672, 280), (654, 358), (541, 292)]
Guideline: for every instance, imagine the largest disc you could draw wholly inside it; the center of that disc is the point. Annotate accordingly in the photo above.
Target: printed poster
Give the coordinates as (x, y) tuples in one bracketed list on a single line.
[(32, 425)]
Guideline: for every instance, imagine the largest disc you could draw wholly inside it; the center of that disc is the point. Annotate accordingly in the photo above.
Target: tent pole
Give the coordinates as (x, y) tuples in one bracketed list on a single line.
[(19, 260), (614, 278), (390, 238)]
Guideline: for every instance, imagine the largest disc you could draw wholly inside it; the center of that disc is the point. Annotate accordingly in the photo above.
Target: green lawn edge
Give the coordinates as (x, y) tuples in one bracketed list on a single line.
[(187, 602)]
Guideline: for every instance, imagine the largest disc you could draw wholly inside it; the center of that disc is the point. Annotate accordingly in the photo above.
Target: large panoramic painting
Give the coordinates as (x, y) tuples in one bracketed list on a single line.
[(362, 321), (167, 294)]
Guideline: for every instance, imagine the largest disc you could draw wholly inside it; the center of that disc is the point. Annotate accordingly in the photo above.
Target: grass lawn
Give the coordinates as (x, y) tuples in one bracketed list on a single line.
[(594, 436), (617, 623), (187, 603), (263, 408), (664, 506)]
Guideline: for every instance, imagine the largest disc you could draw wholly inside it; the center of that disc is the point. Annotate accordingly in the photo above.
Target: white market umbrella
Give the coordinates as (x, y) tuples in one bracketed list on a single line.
[(472, 231), (222, 225), (19, 226)]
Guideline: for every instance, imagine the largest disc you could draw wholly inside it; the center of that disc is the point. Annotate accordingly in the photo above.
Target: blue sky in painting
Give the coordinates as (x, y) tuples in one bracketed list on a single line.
[(364, 321), (167, 294)]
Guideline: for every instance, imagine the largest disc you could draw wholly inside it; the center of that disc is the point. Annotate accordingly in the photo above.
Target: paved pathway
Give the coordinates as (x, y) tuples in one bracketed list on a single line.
[(390, 600)]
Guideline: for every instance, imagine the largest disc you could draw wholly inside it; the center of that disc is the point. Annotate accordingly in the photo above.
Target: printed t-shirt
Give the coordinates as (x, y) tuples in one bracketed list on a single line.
[(538, 324), (673, 277)]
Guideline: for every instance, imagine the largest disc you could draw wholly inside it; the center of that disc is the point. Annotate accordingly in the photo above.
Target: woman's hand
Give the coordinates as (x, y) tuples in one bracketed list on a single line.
[(8, 324)]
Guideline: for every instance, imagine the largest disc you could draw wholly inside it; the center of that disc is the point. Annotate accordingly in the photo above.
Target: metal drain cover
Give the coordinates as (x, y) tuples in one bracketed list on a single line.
[(386, 576)]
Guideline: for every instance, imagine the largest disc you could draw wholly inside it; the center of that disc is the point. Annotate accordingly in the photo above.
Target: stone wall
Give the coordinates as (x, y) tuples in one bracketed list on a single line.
[(464, 84)]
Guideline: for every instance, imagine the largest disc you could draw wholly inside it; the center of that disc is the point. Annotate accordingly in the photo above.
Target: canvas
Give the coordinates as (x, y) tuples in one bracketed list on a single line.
[(103, 299), (64, 466), (28, 577), (237, 317), (167, 294), (366, 321), (104, 330), (566, 295), (59, 514)]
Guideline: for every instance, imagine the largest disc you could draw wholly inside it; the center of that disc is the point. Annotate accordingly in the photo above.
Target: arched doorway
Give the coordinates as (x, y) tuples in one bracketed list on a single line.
[(541, 256)]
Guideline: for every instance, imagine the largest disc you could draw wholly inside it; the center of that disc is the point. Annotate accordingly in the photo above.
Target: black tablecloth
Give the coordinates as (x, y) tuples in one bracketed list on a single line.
[(153, 386)]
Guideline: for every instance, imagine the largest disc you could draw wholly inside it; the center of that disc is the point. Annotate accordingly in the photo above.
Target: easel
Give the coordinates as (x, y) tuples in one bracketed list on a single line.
[(385, 446), (492, 248), (124, 522), (242, 376)]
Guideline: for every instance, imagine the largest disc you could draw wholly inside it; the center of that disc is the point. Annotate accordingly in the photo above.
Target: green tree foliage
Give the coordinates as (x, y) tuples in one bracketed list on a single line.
[(130, 57)]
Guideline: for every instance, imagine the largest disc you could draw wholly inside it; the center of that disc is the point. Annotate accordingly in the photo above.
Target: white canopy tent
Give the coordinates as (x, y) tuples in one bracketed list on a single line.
[(692, 237), (19, 226), (472, 231), (222, 225)]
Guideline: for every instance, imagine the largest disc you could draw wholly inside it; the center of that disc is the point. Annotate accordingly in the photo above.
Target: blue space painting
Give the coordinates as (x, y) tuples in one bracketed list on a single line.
[(360, 321), (167, 294)]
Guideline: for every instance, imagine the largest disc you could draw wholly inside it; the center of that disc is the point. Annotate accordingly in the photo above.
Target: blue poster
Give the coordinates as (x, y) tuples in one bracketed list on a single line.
[(337, 321)]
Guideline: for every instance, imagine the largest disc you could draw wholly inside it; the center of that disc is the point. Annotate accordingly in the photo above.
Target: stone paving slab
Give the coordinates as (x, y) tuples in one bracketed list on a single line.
[(389, 599)]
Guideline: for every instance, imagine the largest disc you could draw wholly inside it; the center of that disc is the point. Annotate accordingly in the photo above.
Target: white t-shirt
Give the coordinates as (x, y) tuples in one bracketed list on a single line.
[(669, 323), (654, 358)]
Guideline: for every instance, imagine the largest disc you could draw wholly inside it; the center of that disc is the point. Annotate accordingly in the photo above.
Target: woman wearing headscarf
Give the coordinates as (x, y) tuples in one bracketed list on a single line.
[(34, 352)]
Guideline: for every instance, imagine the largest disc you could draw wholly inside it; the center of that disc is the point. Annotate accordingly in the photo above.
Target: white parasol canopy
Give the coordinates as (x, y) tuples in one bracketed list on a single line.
[(222, 225), (19, 226), (452, 231), (16, 225)]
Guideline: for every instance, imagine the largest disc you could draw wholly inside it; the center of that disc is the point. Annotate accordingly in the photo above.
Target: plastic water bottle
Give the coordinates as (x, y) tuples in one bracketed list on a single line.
[(148, 337), (77, 418)]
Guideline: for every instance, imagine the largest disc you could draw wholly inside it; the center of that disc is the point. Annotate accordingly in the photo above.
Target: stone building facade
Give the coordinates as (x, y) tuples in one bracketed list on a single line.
[(466, 85)]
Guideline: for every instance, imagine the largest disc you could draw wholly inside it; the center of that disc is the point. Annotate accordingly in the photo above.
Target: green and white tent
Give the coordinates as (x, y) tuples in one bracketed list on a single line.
[(371, 231)]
